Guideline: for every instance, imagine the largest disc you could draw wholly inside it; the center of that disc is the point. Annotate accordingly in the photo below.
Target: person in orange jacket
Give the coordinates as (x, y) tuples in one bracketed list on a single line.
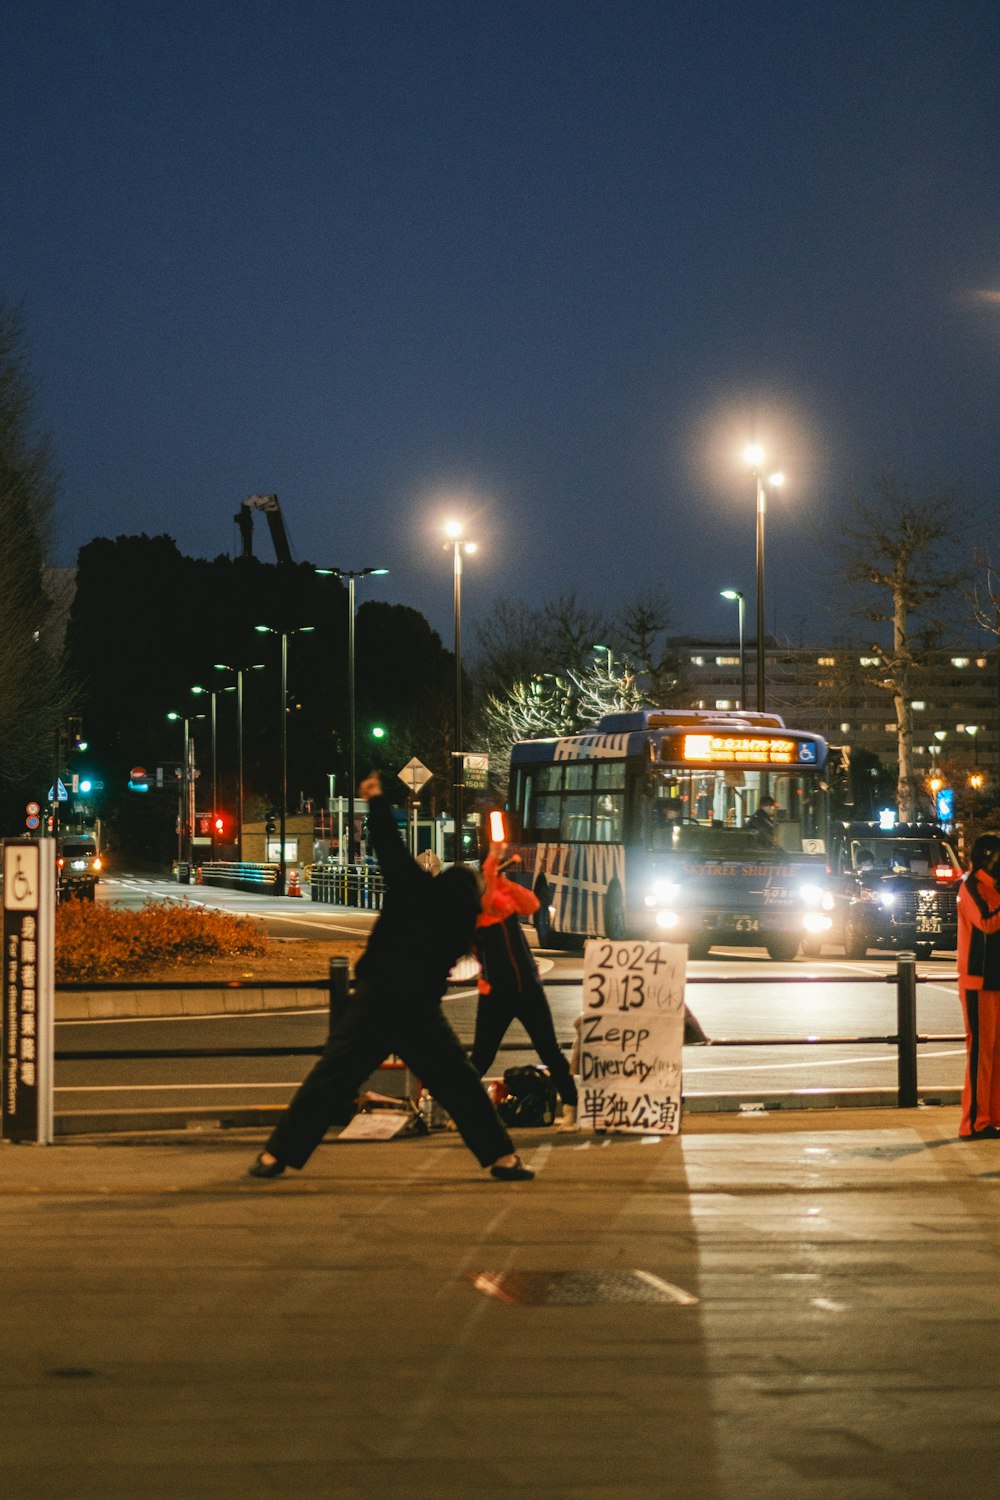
[(979, 990), (509, 986)]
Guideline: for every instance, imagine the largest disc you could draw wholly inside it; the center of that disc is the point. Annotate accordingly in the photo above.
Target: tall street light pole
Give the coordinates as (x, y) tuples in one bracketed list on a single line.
[(754, 457), (185, 807), (221, 666), (741, 604), (351, 574), (283, 807), (215, 762), (453, 530)]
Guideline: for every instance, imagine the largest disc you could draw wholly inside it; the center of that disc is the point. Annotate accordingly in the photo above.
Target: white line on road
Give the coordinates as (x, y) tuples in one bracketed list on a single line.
[(829, 1062)]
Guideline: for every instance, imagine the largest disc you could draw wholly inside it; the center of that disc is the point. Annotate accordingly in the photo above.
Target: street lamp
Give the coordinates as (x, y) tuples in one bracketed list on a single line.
[(213, 694), (606, 651), (185, 790), (222, 666), (973, 729), (753, 457), (283, 809), (453, 531), (741, 605), (351, 574)]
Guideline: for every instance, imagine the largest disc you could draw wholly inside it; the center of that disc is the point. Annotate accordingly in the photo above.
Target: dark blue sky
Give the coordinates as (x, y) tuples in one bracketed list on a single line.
[(558, 258)]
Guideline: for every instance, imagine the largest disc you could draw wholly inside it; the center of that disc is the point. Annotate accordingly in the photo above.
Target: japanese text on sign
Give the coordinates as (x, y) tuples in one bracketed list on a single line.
[(631, 1036)]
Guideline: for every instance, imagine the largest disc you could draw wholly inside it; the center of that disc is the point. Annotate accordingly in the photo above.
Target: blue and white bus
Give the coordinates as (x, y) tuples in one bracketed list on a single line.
[(644, 827)]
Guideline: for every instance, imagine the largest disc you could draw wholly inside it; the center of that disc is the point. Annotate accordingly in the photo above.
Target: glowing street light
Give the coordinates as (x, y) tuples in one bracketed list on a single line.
[(351, 575), (453, 531), (741, 604), (753, 457), (283, 810)]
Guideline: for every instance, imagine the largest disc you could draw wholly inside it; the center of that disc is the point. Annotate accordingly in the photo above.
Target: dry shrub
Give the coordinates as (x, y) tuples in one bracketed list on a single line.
[(110, 942)]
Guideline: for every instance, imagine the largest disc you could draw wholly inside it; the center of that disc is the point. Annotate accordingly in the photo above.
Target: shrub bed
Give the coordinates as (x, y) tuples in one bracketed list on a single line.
[(110, 942)]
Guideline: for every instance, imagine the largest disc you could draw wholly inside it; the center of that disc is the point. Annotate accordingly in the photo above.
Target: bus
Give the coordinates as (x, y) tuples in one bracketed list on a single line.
[(644, 827)]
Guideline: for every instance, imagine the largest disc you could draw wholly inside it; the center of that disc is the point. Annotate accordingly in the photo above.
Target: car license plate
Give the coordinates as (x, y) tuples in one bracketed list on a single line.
[(928, 924), (743, 924)]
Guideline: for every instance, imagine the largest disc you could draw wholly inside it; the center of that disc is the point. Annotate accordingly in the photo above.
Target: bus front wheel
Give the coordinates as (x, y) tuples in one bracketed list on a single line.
[(782, 947)]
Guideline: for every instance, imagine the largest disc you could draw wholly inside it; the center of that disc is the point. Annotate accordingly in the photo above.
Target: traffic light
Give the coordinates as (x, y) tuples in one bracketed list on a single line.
[(219, 824), (378, 731), (270, 826)]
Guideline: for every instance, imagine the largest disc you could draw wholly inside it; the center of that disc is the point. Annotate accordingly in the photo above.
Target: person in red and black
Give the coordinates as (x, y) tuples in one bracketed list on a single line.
[(509, 986), (394, 1005), (979, 990)]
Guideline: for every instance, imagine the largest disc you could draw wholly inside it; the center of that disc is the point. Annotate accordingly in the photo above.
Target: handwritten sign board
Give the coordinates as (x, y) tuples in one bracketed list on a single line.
[(631, 1036)]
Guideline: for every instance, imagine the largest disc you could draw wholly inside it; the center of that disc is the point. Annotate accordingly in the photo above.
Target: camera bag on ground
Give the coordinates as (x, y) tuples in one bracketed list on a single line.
[(531, 1097)]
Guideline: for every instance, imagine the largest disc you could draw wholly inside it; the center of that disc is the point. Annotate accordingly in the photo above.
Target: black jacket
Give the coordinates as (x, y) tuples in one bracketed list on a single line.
[(426, 922)]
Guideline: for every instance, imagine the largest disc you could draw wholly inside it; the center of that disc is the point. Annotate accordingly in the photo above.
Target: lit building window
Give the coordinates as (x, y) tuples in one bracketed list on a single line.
[(980, 661), (960, 661), (891, 728), (727, 661), (723, 703), (697, 661), (826, 661), (918, 704), (844, 728), (870, 661)]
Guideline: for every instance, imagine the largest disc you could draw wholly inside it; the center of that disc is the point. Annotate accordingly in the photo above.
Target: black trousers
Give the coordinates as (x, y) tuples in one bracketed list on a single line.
[(494, 1015), (370, 1026)]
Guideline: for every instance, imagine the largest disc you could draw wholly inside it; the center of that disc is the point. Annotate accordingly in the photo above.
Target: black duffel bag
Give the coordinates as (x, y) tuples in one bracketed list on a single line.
[(531, 1097)]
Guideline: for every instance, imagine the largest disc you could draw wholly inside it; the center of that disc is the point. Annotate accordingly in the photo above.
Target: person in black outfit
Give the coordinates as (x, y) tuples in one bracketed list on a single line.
[(426, 923), (762, 821), (509, 986)]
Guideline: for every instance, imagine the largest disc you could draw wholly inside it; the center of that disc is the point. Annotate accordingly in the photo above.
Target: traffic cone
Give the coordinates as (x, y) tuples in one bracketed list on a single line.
[(294, 887), (198, 877)]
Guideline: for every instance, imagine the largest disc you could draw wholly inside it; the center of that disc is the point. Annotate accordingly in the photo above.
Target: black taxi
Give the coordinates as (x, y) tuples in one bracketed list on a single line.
[(892, 888)]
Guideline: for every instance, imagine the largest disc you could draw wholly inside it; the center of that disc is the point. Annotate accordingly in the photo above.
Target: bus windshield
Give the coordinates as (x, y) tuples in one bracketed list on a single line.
[(717, 812)]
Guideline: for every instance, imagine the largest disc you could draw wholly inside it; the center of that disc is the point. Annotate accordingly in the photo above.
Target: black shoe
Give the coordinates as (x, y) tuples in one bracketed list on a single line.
[(988, 1133), (263, 1168), (517, 1173)]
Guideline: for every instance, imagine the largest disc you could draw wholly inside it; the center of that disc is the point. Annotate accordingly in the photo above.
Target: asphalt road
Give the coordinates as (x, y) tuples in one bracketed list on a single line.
[(737, 994)]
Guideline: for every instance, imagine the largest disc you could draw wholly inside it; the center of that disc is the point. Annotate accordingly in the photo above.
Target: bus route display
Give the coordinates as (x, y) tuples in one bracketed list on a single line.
[(631, 1037)]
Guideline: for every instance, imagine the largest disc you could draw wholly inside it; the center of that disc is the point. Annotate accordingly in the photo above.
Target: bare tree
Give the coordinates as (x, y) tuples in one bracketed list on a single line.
[(896, 549)]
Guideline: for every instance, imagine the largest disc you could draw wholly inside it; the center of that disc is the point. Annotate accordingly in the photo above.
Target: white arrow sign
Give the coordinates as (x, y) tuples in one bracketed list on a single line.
[(415, 774)]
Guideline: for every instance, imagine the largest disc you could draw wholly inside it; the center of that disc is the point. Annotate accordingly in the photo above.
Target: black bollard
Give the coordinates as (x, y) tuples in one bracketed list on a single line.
[(906, 1031)]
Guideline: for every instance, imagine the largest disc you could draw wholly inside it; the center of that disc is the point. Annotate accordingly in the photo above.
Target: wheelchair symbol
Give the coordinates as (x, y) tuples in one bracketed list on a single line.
[(20, 879)]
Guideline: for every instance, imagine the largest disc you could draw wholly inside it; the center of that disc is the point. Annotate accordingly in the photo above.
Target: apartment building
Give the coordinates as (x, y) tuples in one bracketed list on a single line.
[(831, 690)]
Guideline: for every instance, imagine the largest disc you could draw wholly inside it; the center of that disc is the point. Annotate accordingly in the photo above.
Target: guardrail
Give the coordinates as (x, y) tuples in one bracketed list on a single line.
[(906, 1039), (239, 875), (348, 885)]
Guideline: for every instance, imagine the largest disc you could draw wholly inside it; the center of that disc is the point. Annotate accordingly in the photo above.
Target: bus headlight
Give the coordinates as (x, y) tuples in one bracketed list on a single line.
[(667, 919), (815, 895), (816, 921), (662, 893)]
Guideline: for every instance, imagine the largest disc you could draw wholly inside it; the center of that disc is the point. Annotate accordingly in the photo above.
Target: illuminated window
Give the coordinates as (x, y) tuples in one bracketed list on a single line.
[(980, 661), (724, 703), (844, 728), (727, 661), (826, 661), (891, 728), (870, 661), (918, 703), (960, 661), (697, 661)]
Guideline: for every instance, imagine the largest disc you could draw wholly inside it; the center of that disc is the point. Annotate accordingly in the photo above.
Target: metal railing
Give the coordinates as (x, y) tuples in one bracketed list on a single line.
[(906, 1038), (237, 875), (348, 885)]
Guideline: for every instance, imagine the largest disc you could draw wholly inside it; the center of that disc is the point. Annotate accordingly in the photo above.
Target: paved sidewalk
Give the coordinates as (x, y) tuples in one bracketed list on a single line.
[(820, 1316)]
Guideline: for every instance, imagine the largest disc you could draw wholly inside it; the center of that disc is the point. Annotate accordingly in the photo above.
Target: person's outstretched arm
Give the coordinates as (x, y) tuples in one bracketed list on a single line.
[(395, 862)]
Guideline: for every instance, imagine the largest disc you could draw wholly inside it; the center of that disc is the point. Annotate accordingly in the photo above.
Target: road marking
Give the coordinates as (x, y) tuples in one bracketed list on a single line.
[(165, 1088)]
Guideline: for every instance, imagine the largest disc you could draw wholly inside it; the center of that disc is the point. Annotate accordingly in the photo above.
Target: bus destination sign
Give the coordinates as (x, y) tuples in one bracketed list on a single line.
[(728, 749)]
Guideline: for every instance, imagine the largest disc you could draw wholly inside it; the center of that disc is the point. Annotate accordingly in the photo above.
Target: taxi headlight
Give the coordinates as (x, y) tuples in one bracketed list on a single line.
[(887, 898)]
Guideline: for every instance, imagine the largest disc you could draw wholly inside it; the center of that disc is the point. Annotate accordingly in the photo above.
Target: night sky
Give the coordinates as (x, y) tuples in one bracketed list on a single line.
[(546, 265)]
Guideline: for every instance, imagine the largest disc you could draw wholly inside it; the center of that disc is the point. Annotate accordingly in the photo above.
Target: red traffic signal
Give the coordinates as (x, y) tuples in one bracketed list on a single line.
[(220, 823)]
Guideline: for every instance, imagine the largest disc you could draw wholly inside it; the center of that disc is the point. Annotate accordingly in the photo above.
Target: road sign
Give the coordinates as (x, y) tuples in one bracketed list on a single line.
[(137, 773), (415, 775), (32, 821), (61, 794), (477, 769), (32, 808)]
